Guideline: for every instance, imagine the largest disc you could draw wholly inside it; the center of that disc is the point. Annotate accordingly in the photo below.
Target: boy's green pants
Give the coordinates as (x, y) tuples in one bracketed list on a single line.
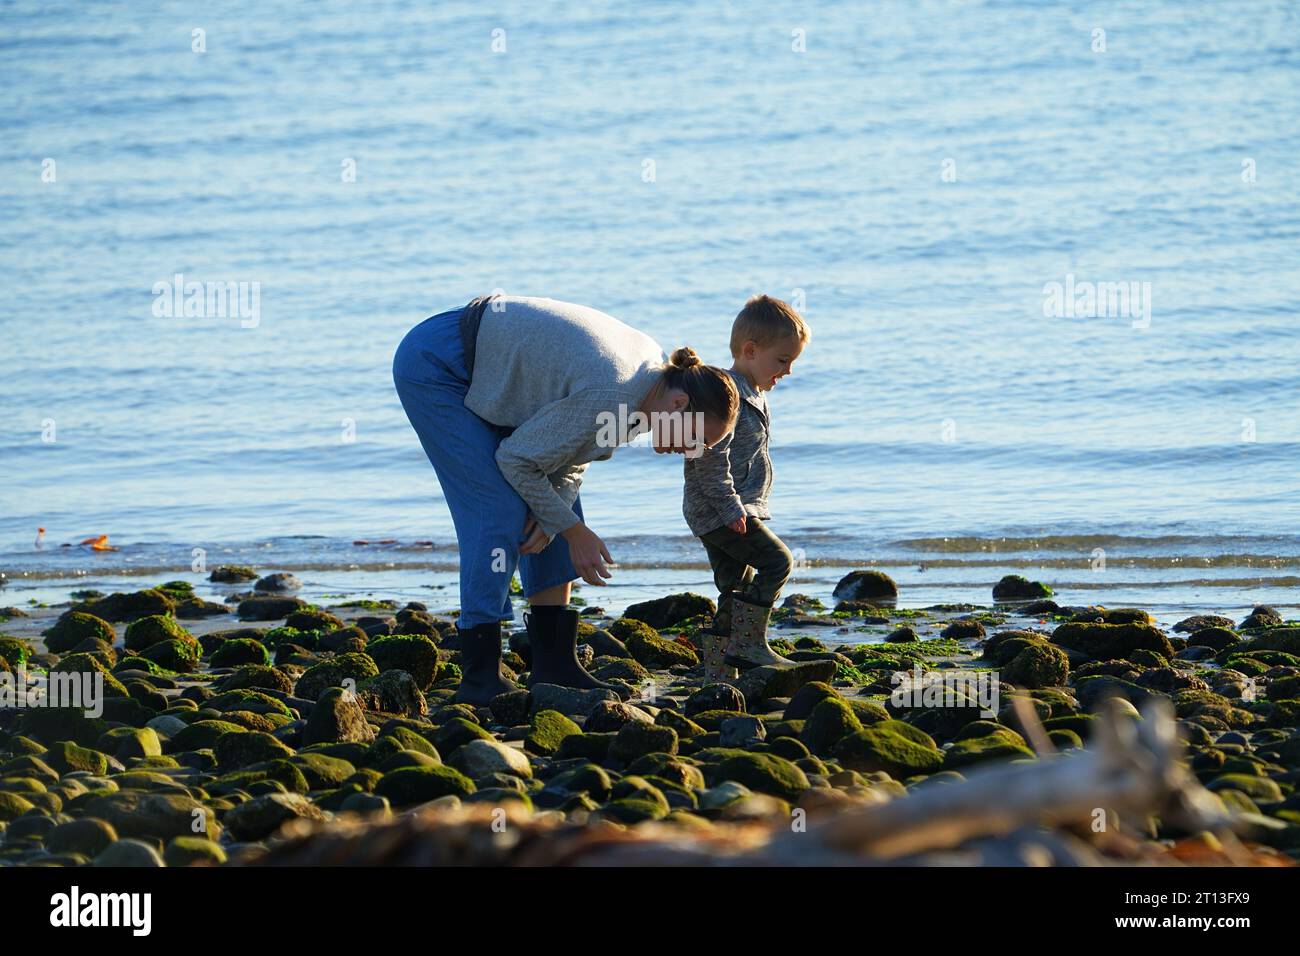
[(756, 563)]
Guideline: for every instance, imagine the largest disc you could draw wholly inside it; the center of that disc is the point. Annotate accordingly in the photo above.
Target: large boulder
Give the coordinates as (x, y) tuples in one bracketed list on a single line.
[(394, 692), (872, 586), (261, 816), (413, 653), (892, 746), (338, 717), (154, 629), (1105, 642), (409, 786), (73, 627), (1038, 665), (649, 648), (482, 758), (763, 772), (1016, 587), (269, 608), (130, 606), (670, 610), (762, 683), (336, 672), (160, 816)]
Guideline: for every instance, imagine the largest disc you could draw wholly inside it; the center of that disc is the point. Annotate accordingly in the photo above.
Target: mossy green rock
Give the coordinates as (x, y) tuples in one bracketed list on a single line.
[(1038, 665), (72, 628), (94, 668), (286, 776), (313, 619), (413, 653), (762, 772), (1002, 744), (129, 853), (1284, 688), (410, 739), (323, 772), (125, 743), (670, 609), (830, 721), (482, 758), (631, 810), (13, 806), (179, 656), (14, 651), (649, 649), (241, 651), (547, 731), (48, 724), (161, 816), (67, 757), (263, 815), (582, 745), (456, 733), (1257, 788), (257, 677), (1284, 639), (414, 785), (88, 836), (1003, 647), (154, 629), (1108, 641), (202, 734), (1016, 587), (807, 697), (587, 778), (187, 851), (892, 746), (338, 717), (130, 606), (248, 701), (235, 751), (634, 740), (684, 726), (866, 585), (334, 673), (677, 770)]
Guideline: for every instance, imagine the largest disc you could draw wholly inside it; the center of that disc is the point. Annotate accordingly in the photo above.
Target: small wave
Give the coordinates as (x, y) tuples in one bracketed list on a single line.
[(1087, 542)]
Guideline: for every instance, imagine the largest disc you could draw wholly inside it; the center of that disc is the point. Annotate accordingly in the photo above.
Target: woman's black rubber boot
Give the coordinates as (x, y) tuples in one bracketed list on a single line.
[(481, 677), (553, 645)]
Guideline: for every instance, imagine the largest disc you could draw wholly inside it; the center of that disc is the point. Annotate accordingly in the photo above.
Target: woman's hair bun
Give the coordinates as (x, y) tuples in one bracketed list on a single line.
[(685, 357)]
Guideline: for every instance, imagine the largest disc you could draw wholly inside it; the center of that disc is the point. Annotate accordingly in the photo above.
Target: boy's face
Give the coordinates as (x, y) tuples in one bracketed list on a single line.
[(767, 365)]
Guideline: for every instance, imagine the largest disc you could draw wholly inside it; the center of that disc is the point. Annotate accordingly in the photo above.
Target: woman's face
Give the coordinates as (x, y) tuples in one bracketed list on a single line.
[(679, 432)]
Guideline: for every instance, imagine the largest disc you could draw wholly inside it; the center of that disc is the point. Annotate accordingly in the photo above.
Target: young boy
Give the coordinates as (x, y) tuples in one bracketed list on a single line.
[(725, 500)]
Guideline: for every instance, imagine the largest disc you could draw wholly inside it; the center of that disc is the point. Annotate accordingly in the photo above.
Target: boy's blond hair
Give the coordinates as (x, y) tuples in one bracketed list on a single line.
[(764, 320)]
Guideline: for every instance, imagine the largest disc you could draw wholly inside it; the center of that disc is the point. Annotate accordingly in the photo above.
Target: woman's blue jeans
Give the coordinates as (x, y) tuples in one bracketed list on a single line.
[(431, 380)]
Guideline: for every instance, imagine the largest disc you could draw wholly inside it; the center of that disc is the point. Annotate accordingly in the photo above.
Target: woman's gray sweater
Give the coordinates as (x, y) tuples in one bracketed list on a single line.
[(553, 372)]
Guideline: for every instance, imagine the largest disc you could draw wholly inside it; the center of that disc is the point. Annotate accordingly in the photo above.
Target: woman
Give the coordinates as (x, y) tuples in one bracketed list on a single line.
[(511, 398)]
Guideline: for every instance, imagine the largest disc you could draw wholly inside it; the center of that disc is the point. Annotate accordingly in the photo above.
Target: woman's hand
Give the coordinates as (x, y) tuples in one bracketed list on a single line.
[(535, 539), (739, 525), (588, 554)]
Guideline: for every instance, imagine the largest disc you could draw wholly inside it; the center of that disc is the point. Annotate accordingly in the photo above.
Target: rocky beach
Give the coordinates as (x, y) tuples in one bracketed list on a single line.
[(250, 726)]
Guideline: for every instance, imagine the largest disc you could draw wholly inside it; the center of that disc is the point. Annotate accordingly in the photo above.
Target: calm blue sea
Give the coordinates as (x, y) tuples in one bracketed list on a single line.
[(915, 174)]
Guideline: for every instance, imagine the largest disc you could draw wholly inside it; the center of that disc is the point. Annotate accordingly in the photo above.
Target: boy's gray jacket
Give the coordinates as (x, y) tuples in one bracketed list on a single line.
[(552, 372), (734, 477)]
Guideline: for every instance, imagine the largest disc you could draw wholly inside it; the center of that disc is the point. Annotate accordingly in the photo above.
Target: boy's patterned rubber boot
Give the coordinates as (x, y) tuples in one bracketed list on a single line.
[(714, 651), (748, 646)]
